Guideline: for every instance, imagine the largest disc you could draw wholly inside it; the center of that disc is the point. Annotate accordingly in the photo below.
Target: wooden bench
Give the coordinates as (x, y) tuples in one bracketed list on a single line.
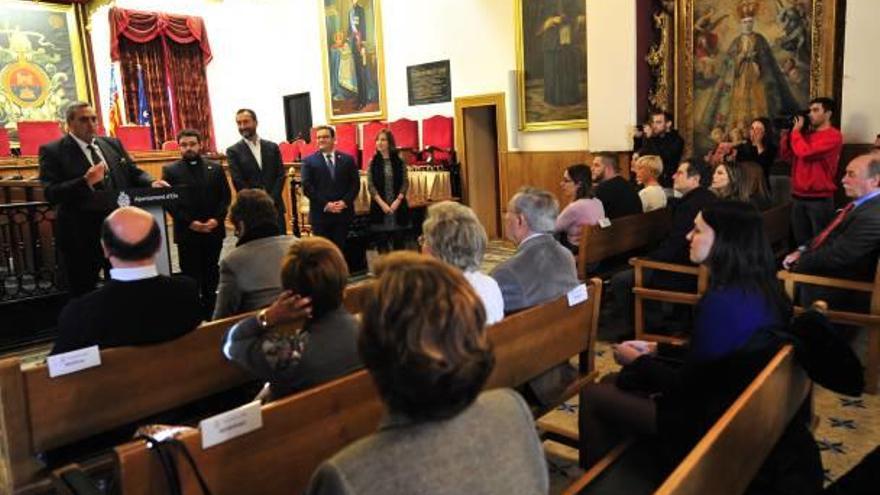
[(624, 235), (301, 431), (871, 319), (39, 413), (730, 454)]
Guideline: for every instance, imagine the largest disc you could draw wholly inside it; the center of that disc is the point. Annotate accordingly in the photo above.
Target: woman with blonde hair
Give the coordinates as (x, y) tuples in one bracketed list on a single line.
[(648, 169)]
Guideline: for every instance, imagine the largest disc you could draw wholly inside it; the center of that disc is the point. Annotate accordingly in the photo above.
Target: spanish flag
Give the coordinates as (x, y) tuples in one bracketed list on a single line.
[(115, 113)]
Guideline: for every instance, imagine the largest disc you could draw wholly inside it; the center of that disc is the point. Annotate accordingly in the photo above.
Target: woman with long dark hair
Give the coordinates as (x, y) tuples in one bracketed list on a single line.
[(583, 210), (388, 184), (729, 345), (727, 183)]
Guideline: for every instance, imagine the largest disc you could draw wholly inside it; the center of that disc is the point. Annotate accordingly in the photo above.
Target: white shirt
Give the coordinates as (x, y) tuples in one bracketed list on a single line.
[(530, 236), (135, 273), (487, 288), (84, 146), (255, 149), (653, 198)]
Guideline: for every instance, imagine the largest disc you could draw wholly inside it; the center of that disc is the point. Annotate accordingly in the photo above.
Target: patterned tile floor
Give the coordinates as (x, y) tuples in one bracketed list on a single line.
[(848, 429)]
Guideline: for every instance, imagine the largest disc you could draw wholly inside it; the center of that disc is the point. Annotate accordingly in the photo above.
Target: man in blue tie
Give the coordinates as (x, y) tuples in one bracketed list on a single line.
[(331, 181)]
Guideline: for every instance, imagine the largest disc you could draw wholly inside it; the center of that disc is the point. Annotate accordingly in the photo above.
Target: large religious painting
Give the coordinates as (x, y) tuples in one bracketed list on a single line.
[(354, 72), (552, 63), (42, 62), (743, 59)]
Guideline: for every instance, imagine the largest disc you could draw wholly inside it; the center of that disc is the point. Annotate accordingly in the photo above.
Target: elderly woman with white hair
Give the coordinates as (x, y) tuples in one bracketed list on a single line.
[(648, 169), (452, 233)]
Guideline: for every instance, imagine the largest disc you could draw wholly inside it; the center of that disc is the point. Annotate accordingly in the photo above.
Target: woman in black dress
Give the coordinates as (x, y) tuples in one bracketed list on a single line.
[(388, 184)]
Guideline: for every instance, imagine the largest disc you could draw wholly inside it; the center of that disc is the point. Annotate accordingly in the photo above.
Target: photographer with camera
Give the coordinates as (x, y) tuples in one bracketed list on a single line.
[(659, 138), (814, 153)]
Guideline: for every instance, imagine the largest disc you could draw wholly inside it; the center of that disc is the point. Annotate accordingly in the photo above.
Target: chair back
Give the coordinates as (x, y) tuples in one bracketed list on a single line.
[(34, 133)]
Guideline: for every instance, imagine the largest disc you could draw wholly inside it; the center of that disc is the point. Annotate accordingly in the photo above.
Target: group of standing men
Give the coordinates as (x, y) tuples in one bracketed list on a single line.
[(82, 174)]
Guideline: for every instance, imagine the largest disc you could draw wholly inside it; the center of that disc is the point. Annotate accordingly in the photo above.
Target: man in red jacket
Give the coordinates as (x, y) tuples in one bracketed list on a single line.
[(813, 157)]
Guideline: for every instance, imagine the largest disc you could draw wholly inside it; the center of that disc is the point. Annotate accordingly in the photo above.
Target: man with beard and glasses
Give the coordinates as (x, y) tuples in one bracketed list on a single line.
[(255, 163), (199, 216)]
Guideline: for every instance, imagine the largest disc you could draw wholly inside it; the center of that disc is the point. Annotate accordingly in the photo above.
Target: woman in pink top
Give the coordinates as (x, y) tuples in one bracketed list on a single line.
[(582, 210)]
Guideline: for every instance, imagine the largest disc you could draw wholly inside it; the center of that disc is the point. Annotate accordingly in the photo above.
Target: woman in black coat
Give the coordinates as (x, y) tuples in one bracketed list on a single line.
[(388, 184)]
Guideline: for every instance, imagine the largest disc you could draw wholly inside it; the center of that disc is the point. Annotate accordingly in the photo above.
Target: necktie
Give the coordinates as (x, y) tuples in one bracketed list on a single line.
[(819, 239), (93, 155), (331, 166)]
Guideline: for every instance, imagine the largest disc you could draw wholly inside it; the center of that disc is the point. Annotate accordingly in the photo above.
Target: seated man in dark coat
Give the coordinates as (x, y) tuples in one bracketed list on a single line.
[(137, 306), (618, 196)]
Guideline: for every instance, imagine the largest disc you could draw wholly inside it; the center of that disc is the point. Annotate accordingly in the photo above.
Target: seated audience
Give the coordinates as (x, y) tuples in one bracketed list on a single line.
[(137, 306), (453, 233), (618, 196), (648, 168), (540, 271), (755, 185), (727, 183), (313, 275), (761, 147), (687, 181), (583, 209), (429, 362), (677, 404), (249, 277), (849, 245)]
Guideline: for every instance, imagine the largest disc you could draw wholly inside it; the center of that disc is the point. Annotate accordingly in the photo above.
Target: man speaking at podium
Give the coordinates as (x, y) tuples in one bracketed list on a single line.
[(73, 171)]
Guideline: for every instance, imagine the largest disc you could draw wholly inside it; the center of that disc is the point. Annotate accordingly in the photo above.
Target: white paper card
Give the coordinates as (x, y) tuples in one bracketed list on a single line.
[(226, 426), (604, 222), (577, 295), (73, 361)]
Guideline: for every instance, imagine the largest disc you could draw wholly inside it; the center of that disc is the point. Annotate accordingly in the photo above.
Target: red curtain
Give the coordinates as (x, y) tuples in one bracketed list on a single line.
[(173, 51)]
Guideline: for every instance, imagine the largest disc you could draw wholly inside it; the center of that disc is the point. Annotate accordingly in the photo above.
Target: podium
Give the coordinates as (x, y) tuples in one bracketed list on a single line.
[(155, 201)]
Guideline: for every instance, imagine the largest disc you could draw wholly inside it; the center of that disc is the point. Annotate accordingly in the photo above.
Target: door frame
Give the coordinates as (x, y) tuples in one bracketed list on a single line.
[(484, 100)]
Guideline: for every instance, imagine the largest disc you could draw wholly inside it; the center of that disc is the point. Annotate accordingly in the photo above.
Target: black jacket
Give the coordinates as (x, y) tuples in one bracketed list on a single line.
[(674, 248), (668, 147), (619, 198), (851, 249), (139, 312), (206, 195), (246, 174), (377, 176), (321, 188)]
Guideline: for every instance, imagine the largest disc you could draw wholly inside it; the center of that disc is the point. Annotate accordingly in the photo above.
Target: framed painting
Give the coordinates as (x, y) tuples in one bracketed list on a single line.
[(551, 64), (353, 60), (43, 62), (738, 60)]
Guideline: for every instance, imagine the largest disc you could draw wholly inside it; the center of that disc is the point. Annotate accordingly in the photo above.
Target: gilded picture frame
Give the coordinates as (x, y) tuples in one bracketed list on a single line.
[(551, 62), (353, 60), (44, 61), (799, 38)]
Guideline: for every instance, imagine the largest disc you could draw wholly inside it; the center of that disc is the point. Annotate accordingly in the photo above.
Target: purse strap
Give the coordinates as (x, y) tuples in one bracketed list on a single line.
[(165, 449)]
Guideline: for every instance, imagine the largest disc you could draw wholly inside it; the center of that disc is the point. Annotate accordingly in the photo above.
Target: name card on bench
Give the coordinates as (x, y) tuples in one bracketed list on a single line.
[(235, 423), (73, 361), (604, 222), (577, 295)]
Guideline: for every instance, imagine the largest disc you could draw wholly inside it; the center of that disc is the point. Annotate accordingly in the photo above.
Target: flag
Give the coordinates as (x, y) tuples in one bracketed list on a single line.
[(144, 115), (116, 112)]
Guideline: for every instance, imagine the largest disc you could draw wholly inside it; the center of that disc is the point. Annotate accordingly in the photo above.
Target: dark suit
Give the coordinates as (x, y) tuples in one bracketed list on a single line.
[(139, 312), (322, 188), (206, 196), (247, 174), (79, 209)]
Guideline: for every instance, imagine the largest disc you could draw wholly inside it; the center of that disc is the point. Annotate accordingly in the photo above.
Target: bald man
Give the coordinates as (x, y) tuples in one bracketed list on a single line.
[(137, 306)]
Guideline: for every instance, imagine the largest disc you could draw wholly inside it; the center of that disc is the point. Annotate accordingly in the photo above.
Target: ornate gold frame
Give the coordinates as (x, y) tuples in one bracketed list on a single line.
[(524, 125), (822, 68), (380, 64)]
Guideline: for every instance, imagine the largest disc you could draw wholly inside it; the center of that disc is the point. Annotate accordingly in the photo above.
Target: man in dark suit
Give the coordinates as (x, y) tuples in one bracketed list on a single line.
[(78, 171), (618, 196), (664, 141), (849, 245), (255, 163), (137, 306), (331, 181), (199, 216)]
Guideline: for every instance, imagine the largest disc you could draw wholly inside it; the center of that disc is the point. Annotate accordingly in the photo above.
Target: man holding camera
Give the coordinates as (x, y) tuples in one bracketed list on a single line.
[(814, 154)]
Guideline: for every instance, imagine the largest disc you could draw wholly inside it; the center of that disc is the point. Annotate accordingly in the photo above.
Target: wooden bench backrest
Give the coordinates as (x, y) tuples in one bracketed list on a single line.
[(301, 431), (730, 454), (625, 234), (41, 413)]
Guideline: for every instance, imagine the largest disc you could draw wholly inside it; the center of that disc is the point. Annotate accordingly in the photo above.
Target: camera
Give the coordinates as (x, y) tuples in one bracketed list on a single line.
[(785, 122)]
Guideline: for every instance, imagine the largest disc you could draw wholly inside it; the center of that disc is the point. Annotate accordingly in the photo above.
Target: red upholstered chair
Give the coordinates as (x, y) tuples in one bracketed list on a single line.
[(406, 136), (371, 130), (346, 140), (439, 142), (307, 149), (4, 142), (101, 130), (135, 137), (35, 133), (170, 146), (288, 151)]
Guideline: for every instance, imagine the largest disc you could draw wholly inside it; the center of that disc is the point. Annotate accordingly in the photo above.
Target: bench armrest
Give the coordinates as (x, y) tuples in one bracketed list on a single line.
[(837, 283), (641, 263)]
